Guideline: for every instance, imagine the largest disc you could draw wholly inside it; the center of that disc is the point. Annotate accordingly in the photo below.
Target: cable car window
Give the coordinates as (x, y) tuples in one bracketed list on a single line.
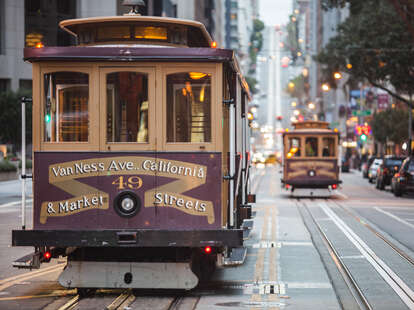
[(151, 33), (328, 147), (112, 32), (66, 116), (294, 148), (311, 147), (188, 107), (127, 107)]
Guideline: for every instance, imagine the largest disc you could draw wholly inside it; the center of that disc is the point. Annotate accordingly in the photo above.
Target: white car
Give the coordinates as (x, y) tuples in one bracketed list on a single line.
[(372, 171)]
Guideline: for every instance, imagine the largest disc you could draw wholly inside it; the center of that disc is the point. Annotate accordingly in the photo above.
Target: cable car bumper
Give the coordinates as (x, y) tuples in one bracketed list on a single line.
[(128, 238)]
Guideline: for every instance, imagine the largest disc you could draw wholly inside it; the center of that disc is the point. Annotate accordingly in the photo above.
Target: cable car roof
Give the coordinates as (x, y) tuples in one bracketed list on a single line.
[(136, 29)]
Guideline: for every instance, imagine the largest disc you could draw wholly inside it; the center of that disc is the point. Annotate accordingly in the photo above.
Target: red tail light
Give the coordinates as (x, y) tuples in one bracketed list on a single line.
[(47, 256), (287, 186), (208, 249), (334, 186)]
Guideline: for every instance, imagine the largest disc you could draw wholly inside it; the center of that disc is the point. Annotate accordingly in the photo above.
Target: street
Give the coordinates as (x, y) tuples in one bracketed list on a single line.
[(336, 253)]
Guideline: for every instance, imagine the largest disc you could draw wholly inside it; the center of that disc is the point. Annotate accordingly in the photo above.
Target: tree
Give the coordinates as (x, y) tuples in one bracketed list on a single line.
[(390, 125), (10, 117), (256, 43), (374, 40)]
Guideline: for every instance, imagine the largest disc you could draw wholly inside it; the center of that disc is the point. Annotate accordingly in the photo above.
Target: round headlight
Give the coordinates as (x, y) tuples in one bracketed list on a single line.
[(127, 204), (312, 173)]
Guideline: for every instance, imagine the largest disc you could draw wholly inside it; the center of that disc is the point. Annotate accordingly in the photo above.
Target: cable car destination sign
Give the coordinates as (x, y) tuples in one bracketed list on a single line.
[(92, 183)]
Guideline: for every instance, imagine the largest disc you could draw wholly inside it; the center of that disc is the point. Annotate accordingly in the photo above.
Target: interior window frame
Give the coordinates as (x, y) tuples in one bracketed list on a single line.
[(335, 148), (190, 146), (318, 146), (287, 149), (128, 146), (93, 119)]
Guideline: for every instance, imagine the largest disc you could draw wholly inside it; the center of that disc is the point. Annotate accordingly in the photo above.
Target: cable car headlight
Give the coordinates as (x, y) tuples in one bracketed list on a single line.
[(127, 204), (312, 173)]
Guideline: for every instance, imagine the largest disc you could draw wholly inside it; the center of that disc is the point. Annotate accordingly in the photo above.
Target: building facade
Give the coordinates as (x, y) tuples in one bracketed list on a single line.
[(25, 23)]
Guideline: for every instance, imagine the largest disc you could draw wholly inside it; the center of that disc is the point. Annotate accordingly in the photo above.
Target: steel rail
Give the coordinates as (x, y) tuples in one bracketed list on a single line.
[(389, 276), (352, 284), (364, 222)]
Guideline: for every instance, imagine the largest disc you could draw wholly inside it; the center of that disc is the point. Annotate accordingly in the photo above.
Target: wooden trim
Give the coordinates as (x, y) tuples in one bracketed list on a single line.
[(127, 146), (93, 132), (219, 140), (177, 68), (36, 108)]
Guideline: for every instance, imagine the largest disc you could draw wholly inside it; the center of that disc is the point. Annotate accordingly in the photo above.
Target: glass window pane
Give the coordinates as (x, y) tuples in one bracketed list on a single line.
[(294, 148), (151, 33), (188, 107), (328, 147), (66, 117), (127, 107), (111, 32), (311, 147)]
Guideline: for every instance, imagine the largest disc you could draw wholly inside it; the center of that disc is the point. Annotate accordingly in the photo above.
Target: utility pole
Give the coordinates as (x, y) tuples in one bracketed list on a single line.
[(410, 126), (278, 90)]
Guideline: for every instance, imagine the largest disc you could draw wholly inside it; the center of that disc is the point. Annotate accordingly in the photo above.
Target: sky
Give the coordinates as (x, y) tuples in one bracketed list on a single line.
[(275, 12)]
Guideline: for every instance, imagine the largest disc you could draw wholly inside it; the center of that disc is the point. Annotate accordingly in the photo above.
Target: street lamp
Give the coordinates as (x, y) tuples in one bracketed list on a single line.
[(337, 75), (325, 87), (311, 105)]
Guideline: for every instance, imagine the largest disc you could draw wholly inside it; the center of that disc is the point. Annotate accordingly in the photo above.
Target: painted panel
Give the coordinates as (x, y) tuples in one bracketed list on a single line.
[(176, 190), (308, 171)]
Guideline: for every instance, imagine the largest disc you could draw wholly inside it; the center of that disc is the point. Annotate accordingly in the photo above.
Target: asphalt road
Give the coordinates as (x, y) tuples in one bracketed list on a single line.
[(289, 262)]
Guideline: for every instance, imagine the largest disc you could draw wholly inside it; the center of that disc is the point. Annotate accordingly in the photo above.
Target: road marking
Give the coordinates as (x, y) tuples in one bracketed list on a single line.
[(5, 283), (394, 217), (259, 267), (70, 304), (389, 276), (57, 293), (14, 203), (341, 194), (117, 302)]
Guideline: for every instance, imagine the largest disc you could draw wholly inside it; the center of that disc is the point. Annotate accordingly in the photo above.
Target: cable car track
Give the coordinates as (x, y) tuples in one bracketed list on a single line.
[(397, 284), (344, 271)]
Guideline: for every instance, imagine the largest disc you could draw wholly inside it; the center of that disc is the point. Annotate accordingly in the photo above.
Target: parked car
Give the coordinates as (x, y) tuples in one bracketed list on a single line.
[(372, 171), (366, 165), (387, 169), (403, 180), (345, 163)]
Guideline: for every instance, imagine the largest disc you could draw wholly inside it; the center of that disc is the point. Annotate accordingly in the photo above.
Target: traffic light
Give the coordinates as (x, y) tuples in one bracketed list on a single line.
[(363, 137)]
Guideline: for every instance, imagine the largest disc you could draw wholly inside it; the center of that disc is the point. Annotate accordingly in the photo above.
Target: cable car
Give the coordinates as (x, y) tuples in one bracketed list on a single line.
[(310, 159), (139, 177)]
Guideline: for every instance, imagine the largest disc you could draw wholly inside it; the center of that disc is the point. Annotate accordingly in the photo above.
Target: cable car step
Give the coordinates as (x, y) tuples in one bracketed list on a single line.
[(29, 261), (237, 257)]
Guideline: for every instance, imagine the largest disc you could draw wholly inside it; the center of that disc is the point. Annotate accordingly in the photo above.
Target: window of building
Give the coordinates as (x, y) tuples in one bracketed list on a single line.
[(2, 27), (4, 85), (188, 107), (311, 147), (127, 107), (294, 147), (25, 84), (66, 115), (41, 22)]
